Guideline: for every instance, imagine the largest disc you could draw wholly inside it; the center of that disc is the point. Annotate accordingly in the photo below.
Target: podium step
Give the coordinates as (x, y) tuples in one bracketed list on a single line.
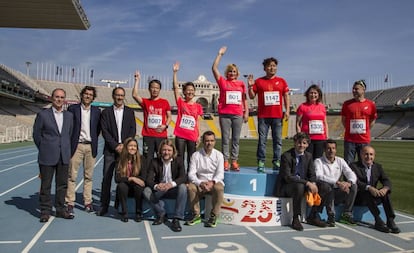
[(248, 182)]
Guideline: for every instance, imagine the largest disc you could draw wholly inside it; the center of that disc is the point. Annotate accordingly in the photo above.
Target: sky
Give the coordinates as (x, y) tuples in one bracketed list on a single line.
[(328, 42)]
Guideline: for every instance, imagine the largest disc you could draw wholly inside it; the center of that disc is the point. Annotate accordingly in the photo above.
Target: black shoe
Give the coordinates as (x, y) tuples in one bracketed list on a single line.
[(124, 217), (138, 217), (65, 215), (44, 217), (175, 226), (331, 220), (380, 226), (102, 212), (159, 220), (316, 222), (296, 224), (392, 227)]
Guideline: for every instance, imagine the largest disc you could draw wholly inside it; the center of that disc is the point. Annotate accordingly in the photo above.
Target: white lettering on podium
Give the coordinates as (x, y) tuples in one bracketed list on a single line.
[(254, 183), (92, 250)]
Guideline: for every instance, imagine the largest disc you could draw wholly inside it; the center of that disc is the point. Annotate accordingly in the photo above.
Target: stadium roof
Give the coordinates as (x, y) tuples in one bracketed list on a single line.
[(52, 14)]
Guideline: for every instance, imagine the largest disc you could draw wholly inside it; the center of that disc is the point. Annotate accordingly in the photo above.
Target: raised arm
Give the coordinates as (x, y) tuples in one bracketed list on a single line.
[(250, 84), (216, 62), (135, 94), (176, 67)]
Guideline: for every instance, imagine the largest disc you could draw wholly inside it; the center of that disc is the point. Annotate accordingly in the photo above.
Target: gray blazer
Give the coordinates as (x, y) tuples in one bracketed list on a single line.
[(51, 144)]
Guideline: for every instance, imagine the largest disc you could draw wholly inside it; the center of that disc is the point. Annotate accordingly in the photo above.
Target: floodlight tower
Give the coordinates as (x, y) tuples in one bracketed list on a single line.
[(116, 82), (28, 68)]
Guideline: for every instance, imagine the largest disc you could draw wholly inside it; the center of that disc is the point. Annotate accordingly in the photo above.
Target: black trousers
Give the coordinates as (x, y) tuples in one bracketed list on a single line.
[(61, 181), (366, 199), (150, 147), (108, 173), (125, 189), (182, 145)]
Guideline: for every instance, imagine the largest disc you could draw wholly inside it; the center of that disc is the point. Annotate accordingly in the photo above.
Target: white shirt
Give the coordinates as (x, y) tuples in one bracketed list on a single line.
[(204, 167), (119, 113), (332, 172), (85, 131), (59, 118)]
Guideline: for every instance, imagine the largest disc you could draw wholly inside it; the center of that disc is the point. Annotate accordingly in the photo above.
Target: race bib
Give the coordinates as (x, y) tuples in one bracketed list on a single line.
[(358, 126), (154, 120), (271, 98), (187, 122), (316, 127), (233, 97)]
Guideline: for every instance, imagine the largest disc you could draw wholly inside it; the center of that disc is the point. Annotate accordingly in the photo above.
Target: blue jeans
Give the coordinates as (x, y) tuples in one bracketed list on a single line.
[(179, 193), (276, 126), (351, 149)]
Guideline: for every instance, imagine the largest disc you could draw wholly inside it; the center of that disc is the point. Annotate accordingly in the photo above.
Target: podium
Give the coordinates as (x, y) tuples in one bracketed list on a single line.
[(248, 199)]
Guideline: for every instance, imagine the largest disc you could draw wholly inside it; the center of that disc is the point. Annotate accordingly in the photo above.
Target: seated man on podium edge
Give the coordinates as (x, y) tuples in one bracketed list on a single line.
[(296, 176)]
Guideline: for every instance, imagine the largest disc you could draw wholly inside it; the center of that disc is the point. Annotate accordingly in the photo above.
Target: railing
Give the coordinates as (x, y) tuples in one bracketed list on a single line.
[(16, 134)]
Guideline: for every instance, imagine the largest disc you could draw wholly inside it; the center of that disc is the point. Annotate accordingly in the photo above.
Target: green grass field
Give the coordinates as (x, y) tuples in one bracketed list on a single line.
[(396, 157)]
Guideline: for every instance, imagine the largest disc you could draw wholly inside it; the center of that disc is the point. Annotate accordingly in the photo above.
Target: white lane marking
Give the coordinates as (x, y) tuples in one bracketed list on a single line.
[(17, 151), (265, 240), (151, 240), (18, 165), (10, 242), (95, 240), (294, 231), (369, 236), (38, 235), (200, 236), (17, 186), (17, 156)]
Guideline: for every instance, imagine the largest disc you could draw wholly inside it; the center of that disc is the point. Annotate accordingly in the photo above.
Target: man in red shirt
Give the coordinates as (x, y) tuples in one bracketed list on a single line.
[(358, 117), (272, 92)]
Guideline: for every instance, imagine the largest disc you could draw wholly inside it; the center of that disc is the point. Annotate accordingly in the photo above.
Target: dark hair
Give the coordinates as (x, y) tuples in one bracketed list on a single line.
[(116, 88), (329, 141), (84, 89), (315, 87), (154, 81), (208, 133), (188, 84), (267, 61), (301, 136), (360, 82)]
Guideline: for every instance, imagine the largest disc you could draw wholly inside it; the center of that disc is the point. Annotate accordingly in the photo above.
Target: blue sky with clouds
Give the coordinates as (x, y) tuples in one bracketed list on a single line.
[(331, 41)]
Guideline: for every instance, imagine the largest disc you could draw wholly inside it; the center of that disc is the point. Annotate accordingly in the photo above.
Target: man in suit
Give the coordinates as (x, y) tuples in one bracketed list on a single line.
[(117, 124), (84, 146), (369, 174), (166, 178), (297, 175), (52, 131)]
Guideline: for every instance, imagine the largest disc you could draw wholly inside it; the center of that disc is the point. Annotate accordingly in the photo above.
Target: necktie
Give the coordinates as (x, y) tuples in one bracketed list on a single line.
[(299, 168)]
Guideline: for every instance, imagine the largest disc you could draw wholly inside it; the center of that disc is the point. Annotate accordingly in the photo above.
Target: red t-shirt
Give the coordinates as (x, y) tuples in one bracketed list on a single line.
[(232, 96), (270, 94), (187, 123), (313, 120), (358, 115), (155, 114)]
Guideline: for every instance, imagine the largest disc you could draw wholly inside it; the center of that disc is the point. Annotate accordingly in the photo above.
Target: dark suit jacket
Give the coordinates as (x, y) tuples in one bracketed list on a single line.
[(155, 173), (288, 169), (95, 127), (377, 175), (110, 130), (51, 144)]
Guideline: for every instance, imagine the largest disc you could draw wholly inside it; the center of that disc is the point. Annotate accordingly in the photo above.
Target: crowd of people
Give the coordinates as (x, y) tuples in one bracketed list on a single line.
[(68, 138)]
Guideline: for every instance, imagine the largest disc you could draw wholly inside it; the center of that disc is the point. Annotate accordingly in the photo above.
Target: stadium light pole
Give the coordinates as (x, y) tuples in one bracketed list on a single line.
[(116, 82), (28, 68)]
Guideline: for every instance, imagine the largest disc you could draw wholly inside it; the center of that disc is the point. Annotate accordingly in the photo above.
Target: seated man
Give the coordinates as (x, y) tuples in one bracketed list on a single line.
[(369, 173), (166, 179), (330, 172), (206, 175), (297, 175)]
